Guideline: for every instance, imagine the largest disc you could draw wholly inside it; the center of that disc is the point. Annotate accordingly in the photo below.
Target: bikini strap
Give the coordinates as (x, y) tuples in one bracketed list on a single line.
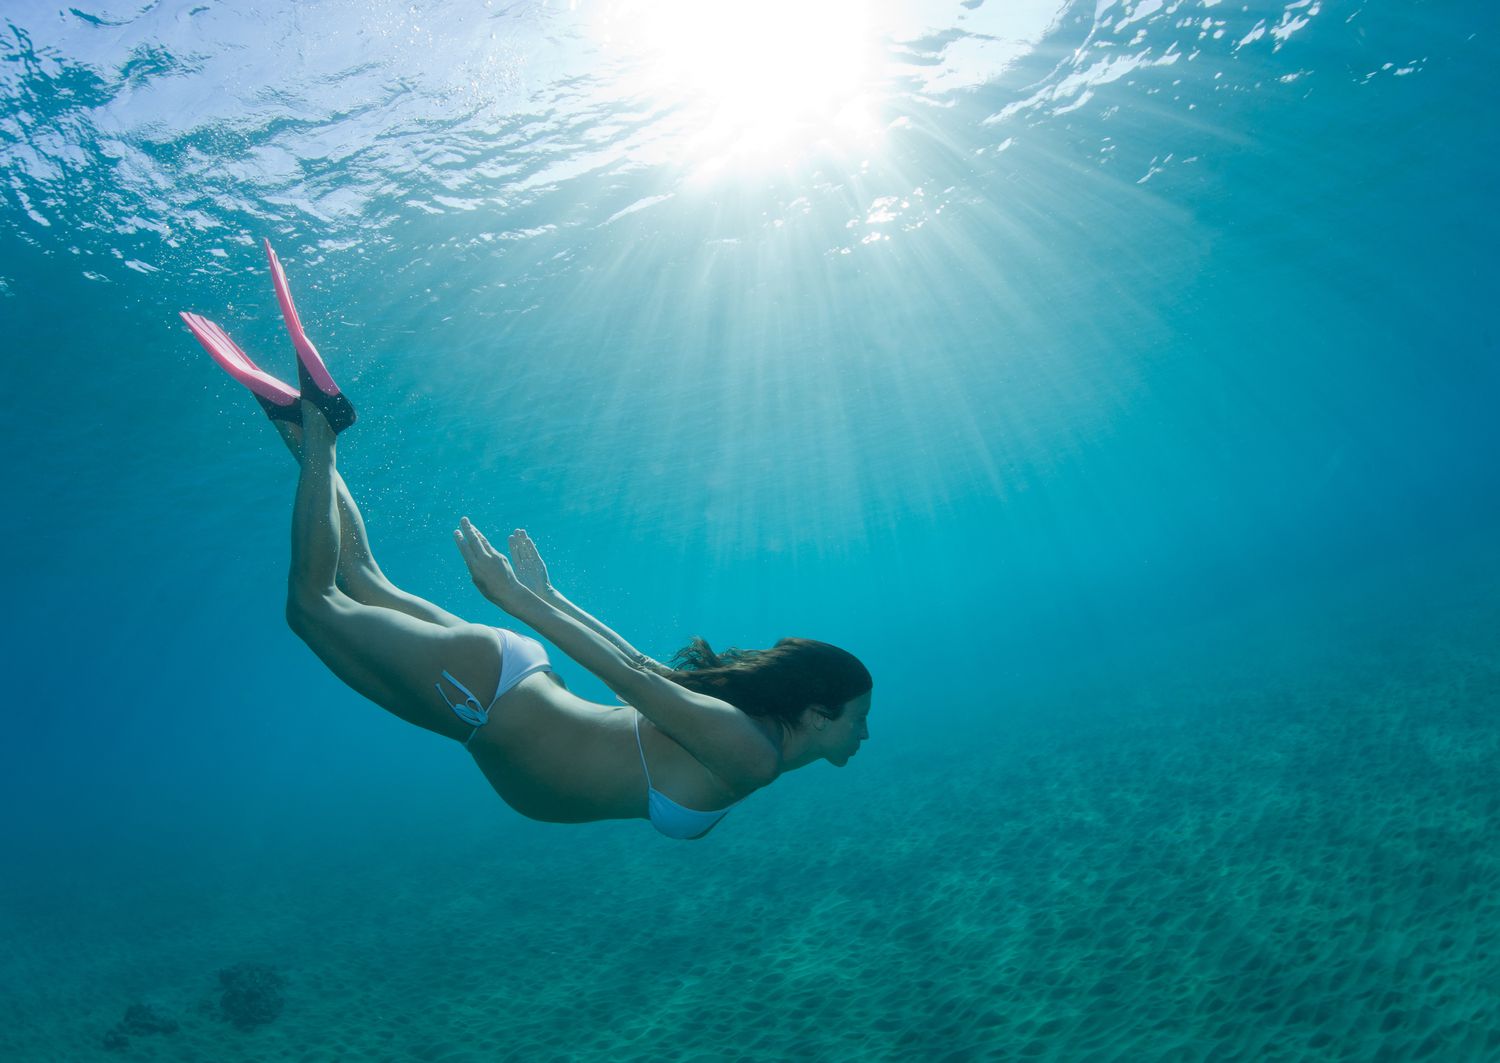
[(469, 710), (642, 749)]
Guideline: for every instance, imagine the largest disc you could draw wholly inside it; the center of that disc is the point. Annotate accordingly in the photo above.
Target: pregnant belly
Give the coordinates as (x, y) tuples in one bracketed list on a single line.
[(554, 757)]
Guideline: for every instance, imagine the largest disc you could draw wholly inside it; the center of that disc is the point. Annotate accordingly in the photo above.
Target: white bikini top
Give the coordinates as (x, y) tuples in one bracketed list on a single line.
[(667, 816)]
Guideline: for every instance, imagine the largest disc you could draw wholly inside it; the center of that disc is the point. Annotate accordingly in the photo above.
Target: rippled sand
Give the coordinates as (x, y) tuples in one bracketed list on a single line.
[(1284, 855)]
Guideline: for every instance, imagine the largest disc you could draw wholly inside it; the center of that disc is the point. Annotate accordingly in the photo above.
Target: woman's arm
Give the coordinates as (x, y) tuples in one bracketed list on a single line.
[(717, 734), (531, 570)]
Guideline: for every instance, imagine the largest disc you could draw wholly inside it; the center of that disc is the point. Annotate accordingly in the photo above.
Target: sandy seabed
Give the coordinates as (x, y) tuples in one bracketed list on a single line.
[(1289, 854)]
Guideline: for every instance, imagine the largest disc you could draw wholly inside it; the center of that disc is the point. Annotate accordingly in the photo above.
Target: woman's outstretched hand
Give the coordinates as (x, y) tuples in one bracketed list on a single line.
[(488, 567), (531, 570)]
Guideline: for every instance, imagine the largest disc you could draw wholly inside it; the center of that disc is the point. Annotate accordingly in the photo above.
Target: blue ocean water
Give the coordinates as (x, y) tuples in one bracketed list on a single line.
[(1116, 379)]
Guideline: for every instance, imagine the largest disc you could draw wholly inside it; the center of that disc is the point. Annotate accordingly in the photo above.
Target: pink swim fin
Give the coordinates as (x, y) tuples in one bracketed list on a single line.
[(279, 400), (317, 385)]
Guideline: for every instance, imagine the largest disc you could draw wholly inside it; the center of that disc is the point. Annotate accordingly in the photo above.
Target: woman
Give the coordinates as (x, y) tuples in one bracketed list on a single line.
[(701, 737)]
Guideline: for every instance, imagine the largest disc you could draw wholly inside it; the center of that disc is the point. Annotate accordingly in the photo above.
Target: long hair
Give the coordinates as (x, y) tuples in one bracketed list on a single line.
[(778, 683)]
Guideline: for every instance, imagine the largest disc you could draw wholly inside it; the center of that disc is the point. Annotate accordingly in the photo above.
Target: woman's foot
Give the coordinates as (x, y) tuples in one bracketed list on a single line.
[(317, 384)]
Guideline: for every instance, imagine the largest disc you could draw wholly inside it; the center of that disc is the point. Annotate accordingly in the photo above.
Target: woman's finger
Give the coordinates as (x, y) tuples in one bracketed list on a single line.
[(481, 543), (467, 546)]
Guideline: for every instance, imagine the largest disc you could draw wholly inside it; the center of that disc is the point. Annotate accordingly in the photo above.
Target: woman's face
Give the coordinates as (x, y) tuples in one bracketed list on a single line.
[(842, 737)]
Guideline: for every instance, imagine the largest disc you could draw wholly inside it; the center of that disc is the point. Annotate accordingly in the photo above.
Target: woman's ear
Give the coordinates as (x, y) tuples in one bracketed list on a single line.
[(817, 715)]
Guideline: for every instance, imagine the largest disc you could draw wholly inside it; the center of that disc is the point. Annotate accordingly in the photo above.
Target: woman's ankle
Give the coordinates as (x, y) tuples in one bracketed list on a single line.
[(318, 437)]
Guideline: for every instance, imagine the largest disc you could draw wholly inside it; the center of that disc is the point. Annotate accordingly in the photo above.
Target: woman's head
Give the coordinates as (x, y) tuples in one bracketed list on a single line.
[(786, 683)]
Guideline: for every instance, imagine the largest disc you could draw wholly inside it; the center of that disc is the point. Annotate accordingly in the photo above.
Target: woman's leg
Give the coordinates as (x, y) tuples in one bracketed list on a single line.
[(358, 573), (391, 657)]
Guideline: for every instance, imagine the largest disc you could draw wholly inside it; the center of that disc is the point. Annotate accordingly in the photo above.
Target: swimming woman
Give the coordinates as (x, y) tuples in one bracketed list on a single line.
[(685, 745)]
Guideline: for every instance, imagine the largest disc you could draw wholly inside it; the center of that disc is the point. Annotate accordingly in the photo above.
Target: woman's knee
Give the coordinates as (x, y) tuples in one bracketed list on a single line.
[(307, 610)]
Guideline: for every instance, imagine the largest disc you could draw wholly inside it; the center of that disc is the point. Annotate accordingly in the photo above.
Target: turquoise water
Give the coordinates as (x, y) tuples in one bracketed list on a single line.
[(1117, 380)]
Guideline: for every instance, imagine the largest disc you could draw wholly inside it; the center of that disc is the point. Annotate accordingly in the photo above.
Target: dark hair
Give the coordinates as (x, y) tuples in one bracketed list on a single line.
[(774, 684)]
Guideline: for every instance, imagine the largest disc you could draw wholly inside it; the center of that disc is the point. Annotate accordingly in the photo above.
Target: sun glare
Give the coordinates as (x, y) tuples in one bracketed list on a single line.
[(751, 79)]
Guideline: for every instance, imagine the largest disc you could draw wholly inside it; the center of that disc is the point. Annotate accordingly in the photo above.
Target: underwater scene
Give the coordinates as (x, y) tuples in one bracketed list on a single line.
[(1115, 379)]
